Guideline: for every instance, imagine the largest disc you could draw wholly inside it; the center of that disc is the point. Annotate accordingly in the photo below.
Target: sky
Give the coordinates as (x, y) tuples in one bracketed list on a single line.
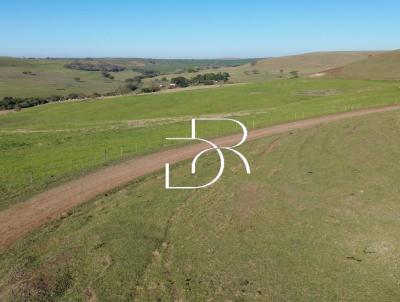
[(194, 29)]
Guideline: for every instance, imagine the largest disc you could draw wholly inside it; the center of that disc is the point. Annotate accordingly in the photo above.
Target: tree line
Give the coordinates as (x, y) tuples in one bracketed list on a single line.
[(93, 66), (9, 103), (131, 84), (206, 79)]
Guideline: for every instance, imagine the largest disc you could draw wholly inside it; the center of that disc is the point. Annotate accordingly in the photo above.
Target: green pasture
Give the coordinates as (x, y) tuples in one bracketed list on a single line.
[(45, 145), (48, 77), (317, 220)]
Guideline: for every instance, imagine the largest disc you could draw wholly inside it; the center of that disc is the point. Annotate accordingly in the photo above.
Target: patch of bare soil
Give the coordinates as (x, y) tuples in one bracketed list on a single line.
[(334, 71), (4, 112)]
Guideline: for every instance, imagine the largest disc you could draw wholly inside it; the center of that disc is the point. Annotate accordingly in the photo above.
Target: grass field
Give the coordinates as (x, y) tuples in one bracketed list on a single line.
[(93, 133), (272, 68), (315, 221), (50, 78), (47, 77), (385, 66)]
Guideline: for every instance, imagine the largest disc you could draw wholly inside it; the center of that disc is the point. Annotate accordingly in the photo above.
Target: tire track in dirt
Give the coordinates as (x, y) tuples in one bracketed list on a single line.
[(22, 218)]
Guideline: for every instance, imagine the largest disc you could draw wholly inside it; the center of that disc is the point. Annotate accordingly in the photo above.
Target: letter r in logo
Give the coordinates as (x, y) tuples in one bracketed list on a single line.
[(212, 147)]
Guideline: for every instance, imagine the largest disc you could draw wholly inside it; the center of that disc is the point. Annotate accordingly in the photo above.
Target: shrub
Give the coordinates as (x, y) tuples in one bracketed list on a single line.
[(107, 75), (294, 74), (150, 89), (181, 81)]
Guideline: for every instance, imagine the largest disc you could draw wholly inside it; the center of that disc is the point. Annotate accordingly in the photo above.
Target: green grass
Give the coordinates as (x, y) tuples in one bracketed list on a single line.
[(51, 78), (93, 133), (385, 66), (271, 68), (317, 220)]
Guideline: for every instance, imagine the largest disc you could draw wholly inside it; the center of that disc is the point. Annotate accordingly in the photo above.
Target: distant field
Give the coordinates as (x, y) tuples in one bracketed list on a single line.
[(385, 66), (311, 62), (45, 77), (317, 220), (305, 64), (48, 77), (48, 144)]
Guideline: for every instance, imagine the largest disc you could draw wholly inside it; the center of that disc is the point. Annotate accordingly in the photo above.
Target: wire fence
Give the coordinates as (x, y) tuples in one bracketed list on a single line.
[(79, 161)]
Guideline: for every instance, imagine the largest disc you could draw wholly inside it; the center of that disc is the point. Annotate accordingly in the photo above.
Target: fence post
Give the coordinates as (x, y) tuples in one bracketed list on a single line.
[(105, 154)]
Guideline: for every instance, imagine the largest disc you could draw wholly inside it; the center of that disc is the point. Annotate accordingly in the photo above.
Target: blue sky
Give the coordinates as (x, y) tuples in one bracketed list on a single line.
[(195, 29)]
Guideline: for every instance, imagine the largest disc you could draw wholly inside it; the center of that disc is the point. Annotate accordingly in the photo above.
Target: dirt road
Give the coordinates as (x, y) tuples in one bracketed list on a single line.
[(22, 218)]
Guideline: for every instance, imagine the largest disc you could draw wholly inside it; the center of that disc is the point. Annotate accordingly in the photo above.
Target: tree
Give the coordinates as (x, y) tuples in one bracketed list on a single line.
[(180, 81), (210, 78), (294, 74)]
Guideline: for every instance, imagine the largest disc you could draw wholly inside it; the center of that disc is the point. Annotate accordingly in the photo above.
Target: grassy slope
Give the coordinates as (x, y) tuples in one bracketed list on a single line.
[(315, 221), (311, 62), (92, 133), (52, 78), (304, 63), (384, 66)]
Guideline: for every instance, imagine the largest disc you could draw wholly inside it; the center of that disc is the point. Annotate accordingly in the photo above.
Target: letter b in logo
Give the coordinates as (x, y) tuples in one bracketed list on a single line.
[(212, 147)]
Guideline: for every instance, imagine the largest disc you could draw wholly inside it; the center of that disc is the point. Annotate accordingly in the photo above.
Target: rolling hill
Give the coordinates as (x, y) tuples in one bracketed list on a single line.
[(381, 66), (305, 64), (92, 133), (38, 77), (309, 62)]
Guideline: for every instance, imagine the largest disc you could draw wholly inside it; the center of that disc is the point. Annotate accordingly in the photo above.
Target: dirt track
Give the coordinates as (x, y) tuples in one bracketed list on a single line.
[(24, 217)]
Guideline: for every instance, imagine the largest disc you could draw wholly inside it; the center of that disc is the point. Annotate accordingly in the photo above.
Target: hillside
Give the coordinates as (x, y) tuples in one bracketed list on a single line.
[(92, 133), (309, 62), (381, 66), (317, 220), (33, 77), (305, 64)]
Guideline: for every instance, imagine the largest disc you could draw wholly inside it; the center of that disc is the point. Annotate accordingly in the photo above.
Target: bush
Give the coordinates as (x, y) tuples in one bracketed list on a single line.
[(208, 82), (294, 74), (150, 89), (132, 87), (126, 89), (146, 73), (107, 75), (192, 69), (95, 95), (9, 103), (180, 81)]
